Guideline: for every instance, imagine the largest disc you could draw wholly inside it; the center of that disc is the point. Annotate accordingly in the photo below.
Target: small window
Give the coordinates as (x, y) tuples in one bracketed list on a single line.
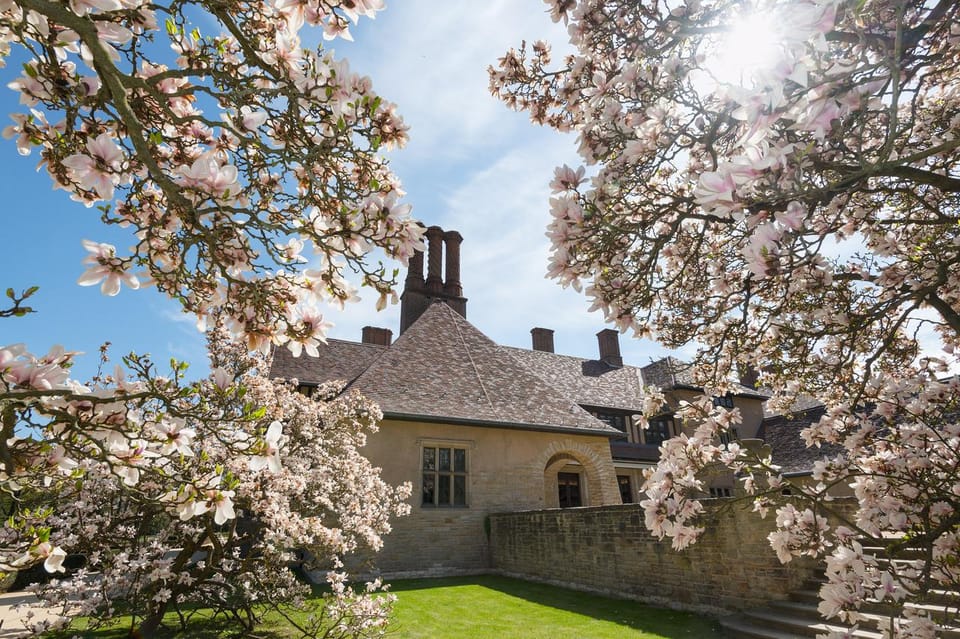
[(729, 436), (659, 430), (720, 492), (569, 490), (626, 488), (616, 420), (307, 390), (444, 476), (724, 401)]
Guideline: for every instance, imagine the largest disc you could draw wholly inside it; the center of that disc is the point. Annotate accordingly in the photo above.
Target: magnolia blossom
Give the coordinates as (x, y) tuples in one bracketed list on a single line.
[(99, 169), (106, 267), (53, 556), (269, 455)]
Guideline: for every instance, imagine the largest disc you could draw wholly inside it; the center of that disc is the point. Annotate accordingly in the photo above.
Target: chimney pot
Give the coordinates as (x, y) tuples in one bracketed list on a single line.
[(451, 284), (542, 339), (414, 281), (378, 336), (609, 341), (434, 259)]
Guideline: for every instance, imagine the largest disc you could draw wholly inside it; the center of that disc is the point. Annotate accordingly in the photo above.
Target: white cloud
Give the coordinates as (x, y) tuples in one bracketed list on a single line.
[(431, 58)]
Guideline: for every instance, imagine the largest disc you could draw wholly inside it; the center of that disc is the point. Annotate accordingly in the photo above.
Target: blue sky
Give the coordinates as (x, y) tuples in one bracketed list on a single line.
[(471, 165)]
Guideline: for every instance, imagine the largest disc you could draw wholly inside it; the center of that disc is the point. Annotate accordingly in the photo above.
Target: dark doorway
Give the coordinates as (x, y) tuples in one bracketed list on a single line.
[(626, 489), (569, 484)]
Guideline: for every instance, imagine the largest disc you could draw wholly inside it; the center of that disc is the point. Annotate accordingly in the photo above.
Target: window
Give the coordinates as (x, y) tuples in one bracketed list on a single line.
[(626, 489), (569, 486), (307, 389), (725, 401), (444, 476), (616, 420), (720, 492), (659, 429), (729, 436)]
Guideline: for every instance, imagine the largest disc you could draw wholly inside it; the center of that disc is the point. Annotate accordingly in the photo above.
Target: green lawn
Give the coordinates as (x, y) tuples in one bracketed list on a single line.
[(489, 607)]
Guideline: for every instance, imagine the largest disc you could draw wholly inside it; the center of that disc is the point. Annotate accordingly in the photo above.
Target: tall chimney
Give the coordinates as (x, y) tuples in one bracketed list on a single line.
[(434, 259), (418, 294), (378, 336), (609, 341), (542, 339), (414, 281), (451, 284)]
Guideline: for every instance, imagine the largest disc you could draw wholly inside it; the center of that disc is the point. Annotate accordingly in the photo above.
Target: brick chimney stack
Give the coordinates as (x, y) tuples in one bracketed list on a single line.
[(419, 293), (434, 259), (451, 284), (609, 341), (414, 281), (378, 336), (542, 339)]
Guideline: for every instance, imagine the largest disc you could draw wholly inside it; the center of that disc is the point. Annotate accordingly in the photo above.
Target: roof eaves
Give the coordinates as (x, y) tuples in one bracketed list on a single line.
[(606, 431)]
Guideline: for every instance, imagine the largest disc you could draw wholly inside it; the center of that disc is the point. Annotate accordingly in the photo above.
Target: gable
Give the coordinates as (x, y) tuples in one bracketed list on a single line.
[(443, 368)]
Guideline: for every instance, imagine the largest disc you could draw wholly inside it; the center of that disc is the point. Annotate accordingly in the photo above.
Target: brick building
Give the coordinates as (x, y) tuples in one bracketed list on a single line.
[(479, 428)]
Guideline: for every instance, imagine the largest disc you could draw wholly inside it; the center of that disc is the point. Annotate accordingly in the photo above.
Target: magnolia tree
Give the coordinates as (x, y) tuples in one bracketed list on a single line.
[(245, 167), (194, 507), (792, 210)]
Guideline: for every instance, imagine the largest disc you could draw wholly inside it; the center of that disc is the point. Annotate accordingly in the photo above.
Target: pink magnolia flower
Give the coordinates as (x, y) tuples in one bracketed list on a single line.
[(222, 502), (83, 7), (53, 556), (714, 192), (359, 8), (100, 168), (311, 331), (793, 217), (269, 456), (20, 130), (105, 267), (221, 377), (566, 178), (208, 174), (819, 117), (250, 119), (175, 437)]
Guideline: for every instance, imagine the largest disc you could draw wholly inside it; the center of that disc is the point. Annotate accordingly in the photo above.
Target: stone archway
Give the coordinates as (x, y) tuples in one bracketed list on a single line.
[(592, 467)]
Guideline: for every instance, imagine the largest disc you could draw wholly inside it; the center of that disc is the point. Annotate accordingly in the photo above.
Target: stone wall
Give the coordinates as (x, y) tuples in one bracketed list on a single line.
[(609, 550), (507, 471)]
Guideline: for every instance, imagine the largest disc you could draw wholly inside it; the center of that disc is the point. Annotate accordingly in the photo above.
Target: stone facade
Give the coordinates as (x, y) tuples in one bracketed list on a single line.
[(508, 469), (609, 550)]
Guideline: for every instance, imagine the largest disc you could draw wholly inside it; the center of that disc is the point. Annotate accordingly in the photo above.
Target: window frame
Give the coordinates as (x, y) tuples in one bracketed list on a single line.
[(440, 475), (729, 436), (668, 420), (724, 401), (629, 487)]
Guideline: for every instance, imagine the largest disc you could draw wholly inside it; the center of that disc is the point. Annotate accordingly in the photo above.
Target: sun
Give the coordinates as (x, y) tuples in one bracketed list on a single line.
[(741, 54)]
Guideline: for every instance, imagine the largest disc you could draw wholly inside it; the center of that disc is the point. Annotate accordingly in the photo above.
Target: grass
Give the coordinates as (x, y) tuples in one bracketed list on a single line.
[(490, 607)]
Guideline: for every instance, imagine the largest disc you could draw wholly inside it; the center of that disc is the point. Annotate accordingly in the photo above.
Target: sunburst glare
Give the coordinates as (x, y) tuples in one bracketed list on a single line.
[(741, 55)]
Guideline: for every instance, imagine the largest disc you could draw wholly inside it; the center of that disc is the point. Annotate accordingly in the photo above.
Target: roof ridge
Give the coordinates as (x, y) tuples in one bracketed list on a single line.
[(473, 364)]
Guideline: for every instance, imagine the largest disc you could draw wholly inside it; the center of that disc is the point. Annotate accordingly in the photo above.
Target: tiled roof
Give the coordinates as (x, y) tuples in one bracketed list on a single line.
[(670, 372), (588, 382), (443, 369), (800, 404), (788, 449), (338, 361)]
